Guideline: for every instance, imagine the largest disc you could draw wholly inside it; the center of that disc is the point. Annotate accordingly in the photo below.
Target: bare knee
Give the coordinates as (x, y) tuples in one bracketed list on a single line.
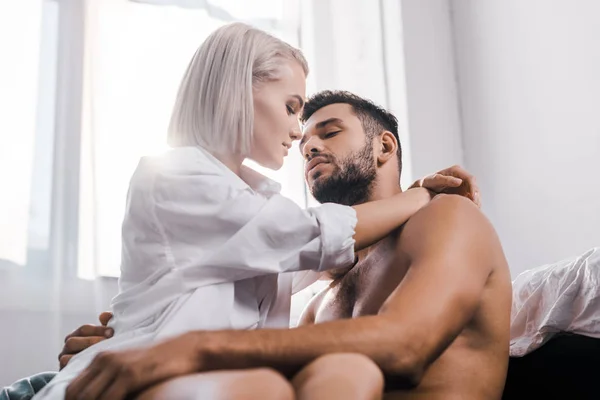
[(356, 371), (260, 383), (265, 383)]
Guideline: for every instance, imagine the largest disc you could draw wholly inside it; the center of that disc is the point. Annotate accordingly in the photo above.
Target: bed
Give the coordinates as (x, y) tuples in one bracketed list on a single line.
[(566, 367)]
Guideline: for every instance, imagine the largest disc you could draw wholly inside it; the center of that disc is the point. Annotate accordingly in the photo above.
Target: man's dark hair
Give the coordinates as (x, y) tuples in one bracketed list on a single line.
[(373, 118)]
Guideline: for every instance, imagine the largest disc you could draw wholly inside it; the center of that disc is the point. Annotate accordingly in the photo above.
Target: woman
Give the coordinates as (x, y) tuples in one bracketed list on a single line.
[(204, 237)]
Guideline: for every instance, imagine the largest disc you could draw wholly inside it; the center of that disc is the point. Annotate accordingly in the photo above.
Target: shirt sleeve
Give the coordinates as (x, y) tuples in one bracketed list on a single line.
[(228, 233), (303, 279)]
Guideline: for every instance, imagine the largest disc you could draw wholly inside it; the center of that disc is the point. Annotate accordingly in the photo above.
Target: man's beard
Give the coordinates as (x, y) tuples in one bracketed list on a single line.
[(351, 182)]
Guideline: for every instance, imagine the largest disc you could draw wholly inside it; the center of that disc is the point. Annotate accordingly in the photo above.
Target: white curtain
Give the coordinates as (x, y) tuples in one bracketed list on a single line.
[(136, 54), (20, 33), (32, 118)]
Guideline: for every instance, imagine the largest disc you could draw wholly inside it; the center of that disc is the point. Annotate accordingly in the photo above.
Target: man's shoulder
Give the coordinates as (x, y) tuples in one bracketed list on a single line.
[(444, 211), (422, 239)]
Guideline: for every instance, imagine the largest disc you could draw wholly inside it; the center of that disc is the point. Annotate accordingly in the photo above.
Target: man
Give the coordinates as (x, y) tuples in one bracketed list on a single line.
[(430, 305)]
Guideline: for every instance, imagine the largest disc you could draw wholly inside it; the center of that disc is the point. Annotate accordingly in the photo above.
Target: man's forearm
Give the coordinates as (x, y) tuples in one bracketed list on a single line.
[(288, 350)]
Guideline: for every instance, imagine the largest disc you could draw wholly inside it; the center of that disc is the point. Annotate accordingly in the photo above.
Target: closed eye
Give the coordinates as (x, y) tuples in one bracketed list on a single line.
[(331, 134)]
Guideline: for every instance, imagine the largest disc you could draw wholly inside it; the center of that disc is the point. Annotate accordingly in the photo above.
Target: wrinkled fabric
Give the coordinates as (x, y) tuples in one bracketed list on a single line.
[(204, 249), (26, 388), (560, 297)]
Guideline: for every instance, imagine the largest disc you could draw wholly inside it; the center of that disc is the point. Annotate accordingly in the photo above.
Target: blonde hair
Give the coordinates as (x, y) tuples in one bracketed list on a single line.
[(214, 107)]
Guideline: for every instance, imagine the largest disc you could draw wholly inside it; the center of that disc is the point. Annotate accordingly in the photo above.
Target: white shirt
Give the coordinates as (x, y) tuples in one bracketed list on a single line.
[(204, 249), (559, 297)]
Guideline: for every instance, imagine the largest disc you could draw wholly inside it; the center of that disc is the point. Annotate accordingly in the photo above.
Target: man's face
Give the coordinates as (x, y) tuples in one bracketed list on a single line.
[(340, 165)]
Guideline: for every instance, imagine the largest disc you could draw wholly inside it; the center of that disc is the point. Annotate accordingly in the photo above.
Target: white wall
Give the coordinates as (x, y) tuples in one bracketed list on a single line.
[(37, 312), (511, 89), (529, 87), (26, 344)]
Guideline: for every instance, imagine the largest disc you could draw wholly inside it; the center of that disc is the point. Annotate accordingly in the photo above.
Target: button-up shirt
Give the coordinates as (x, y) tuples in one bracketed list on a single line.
[(206, 249)]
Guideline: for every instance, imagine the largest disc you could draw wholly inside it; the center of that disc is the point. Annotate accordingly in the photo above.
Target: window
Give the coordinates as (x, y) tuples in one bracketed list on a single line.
[(87, 100), (27, 70), (138, 54)]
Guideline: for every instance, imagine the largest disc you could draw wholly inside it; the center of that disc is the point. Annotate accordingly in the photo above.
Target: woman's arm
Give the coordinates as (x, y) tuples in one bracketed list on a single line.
[(377, 219)]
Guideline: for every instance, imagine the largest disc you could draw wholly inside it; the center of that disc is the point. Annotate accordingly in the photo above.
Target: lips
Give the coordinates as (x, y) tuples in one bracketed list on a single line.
[(314, 162)]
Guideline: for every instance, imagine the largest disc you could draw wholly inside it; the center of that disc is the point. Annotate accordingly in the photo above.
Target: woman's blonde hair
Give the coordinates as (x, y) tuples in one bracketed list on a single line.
[(214, 107)]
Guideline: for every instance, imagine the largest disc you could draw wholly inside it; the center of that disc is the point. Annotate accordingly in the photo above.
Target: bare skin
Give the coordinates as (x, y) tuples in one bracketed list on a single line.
[(453, 347), (426, 319), (408, 274), (474, 365), (332, 376), (259, 383)]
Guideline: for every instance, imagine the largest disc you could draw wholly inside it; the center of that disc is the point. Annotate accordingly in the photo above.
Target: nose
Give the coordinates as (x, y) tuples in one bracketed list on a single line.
[(312, 147), (296, 133)]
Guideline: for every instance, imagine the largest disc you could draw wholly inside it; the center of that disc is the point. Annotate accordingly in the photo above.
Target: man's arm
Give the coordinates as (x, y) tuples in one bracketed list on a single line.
[(454, 179), (452, 249)]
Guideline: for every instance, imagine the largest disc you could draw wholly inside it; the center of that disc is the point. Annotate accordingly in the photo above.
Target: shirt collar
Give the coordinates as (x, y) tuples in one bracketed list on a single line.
[(250, 178), (259, 182)]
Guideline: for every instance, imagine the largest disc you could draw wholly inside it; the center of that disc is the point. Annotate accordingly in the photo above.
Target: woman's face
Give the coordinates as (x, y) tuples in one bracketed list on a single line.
[(277, 105)]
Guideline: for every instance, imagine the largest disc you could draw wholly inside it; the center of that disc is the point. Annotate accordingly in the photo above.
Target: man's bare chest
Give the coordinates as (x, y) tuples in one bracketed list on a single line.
[(364, 289)]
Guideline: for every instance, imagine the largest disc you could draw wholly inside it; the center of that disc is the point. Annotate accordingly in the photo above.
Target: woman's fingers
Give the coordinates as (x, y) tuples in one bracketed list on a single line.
[(439, 183), (453, 180)]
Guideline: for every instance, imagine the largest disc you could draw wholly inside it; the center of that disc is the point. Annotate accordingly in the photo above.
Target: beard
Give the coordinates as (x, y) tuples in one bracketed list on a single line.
[(351, 182)]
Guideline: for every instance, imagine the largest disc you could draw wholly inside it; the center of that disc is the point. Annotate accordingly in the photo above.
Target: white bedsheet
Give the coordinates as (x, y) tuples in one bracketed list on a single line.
[(559, 297)]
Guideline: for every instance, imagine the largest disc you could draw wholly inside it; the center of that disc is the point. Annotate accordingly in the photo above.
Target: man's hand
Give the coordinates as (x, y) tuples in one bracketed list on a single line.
[(84, 337), (453, 180), (114, 375)]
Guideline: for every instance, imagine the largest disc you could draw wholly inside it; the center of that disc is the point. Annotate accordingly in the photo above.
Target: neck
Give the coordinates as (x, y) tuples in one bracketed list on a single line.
[(384, 188), (233, 162)]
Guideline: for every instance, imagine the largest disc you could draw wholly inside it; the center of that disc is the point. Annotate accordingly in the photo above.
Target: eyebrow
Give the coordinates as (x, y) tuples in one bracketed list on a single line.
[(321, 125), (300, 100)]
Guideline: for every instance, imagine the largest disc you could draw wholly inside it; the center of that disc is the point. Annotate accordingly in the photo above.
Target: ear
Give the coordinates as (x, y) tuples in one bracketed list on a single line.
[(387, 147)]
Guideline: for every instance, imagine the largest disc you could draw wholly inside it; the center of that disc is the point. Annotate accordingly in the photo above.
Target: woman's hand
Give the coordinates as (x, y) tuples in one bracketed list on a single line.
[(453, 180), (115, 375), (84, 337)]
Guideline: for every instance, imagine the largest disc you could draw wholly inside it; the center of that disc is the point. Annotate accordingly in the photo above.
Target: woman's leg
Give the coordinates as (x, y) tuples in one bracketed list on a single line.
[(339, 376), (261, 383)]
